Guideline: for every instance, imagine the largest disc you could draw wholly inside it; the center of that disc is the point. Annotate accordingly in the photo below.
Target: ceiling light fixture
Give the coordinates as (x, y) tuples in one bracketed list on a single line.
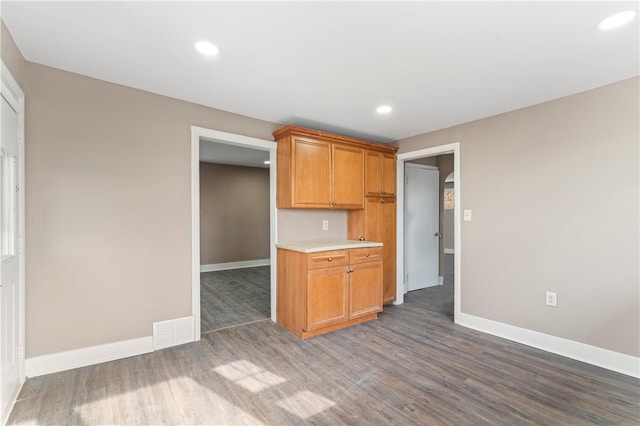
[(617, 20), (384, 109), (206, 48)]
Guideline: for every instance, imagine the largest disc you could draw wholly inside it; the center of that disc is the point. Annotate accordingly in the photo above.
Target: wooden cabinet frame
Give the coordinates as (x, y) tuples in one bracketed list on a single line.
[(321, 170), (380, 174), (331, 175), (325, 291)]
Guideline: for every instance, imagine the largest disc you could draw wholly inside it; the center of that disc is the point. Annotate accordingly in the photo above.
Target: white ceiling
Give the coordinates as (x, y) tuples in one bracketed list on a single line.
[(327, 65), (221, 153)]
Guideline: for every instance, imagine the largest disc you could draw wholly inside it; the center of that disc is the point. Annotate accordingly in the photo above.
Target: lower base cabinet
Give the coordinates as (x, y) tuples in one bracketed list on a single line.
[(325, 291)]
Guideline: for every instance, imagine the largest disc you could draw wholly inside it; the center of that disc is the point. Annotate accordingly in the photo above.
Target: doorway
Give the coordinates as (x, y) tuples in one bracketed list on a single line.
[(230, 272), (234, 236), (453, 148), (12, 277)]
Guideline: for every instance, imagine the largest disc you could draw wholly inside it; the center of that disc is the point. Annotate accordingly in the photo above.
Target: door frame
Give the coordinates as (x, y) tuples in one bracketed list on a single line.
[(14, 95), (451, 148), (230, 139), (425, 167)]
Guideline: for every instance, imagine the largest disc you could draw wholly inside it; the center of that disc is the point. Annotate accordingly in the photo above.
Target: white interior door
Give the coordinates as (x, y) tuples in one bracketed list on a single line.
[(10, 271), (421, 227)]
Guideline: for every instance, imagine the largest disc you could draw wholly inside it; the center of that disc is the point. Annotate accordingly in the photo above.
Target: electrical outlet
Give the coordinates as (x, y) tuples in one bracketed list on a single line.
[(467, 215), (552, 299), (325, 225)]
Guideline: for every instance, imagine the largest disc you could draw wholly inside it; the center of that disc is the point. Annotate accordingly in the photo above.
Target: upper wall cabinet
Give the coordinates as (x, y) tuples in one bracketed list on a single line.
[(381, 174), (318, 170)]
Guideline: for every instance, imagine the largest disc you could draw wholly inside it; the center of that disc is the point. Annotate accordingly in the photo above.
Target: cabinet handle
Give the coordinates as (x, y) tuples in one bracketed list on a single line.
[(349, 271), (382, 201), (330, 259)]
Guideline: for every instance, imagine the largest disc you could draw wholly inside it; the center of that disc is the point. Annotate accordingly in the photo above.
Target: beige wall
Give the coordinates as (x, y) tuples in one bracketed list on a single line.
[(234, 213), (108, 208), (305, 225), (554, 191), (11, 56)]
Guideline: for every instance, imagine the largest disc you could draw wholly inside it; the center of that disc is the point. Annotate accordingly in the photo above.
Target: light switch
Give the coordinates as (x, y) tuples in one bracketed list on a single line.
[(467, 215)]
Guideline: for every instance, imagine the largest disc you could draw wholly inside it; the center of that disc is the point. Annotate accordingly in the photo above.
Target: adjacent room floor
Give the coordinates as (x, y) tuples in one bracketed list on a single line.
[(233, 297), (411, 366)]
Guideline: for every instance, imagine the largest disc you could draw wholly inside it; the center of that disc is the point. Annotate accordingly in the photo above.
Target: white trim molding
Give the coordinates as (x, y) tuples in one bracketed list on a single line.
[(61, 361), (12, 92), (212, 267), (615, 361), (12, 402)]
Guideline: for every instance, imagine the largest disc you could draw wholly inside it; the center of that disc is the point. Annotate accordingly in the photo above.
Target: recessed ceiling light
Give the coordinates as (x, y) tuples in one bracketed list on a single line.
[(206, 48), (617, 20), (383, 109), (267, 162)]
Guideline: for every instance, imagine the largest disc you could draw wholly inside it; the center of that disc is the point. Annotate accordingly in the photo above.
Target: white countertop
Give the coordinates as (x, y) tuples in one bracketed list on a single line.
[(324, 245)]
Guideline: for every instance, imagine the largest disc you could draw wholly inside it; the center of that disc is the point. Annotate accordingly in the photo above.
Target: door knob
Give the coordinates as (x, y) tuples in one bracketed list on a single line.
[(437, 234)]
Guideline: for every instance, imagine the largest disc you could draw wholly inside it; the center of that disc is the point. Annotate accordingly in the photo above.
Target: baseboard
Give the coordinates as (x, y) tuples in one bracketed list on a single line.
[(449, 251), (615, 361), (61, 361), (234, 265), (10, 404)]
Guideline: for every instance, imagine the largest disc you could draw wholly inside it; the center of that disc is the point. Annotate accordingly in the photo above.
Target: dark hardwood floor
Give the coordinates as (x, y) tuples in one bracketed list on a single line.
[(234, 297), (412, 366)]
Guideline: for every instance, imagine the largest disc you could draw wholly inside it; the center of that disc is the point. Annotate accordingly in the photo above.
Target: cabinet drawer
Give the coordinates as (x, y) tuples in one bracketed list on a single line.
[(326, 259), (369, 254)]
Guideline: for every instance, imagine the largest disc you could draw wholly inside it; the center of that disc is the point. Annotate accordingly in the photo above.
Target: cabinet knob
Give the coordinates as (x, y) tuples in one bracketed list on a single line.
[(382, 201), (330, 259), (366, 255), (349, 271)]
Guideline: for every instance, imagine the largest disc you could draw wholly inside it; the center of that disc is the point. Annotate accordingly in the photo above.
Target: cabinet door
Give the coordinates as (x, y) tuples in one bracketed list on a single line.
[(372, 220), (348, 177), (388, 239), (327, 296), (373, 184), (389, 175), (311, 174), (365, 284)]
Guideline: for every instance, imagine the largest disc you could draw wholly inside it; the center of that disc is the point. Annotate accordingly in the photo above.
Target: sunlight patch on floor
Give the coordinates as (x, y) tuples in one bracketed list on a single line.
[(305, 404), (192, 403), (249, 376)]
